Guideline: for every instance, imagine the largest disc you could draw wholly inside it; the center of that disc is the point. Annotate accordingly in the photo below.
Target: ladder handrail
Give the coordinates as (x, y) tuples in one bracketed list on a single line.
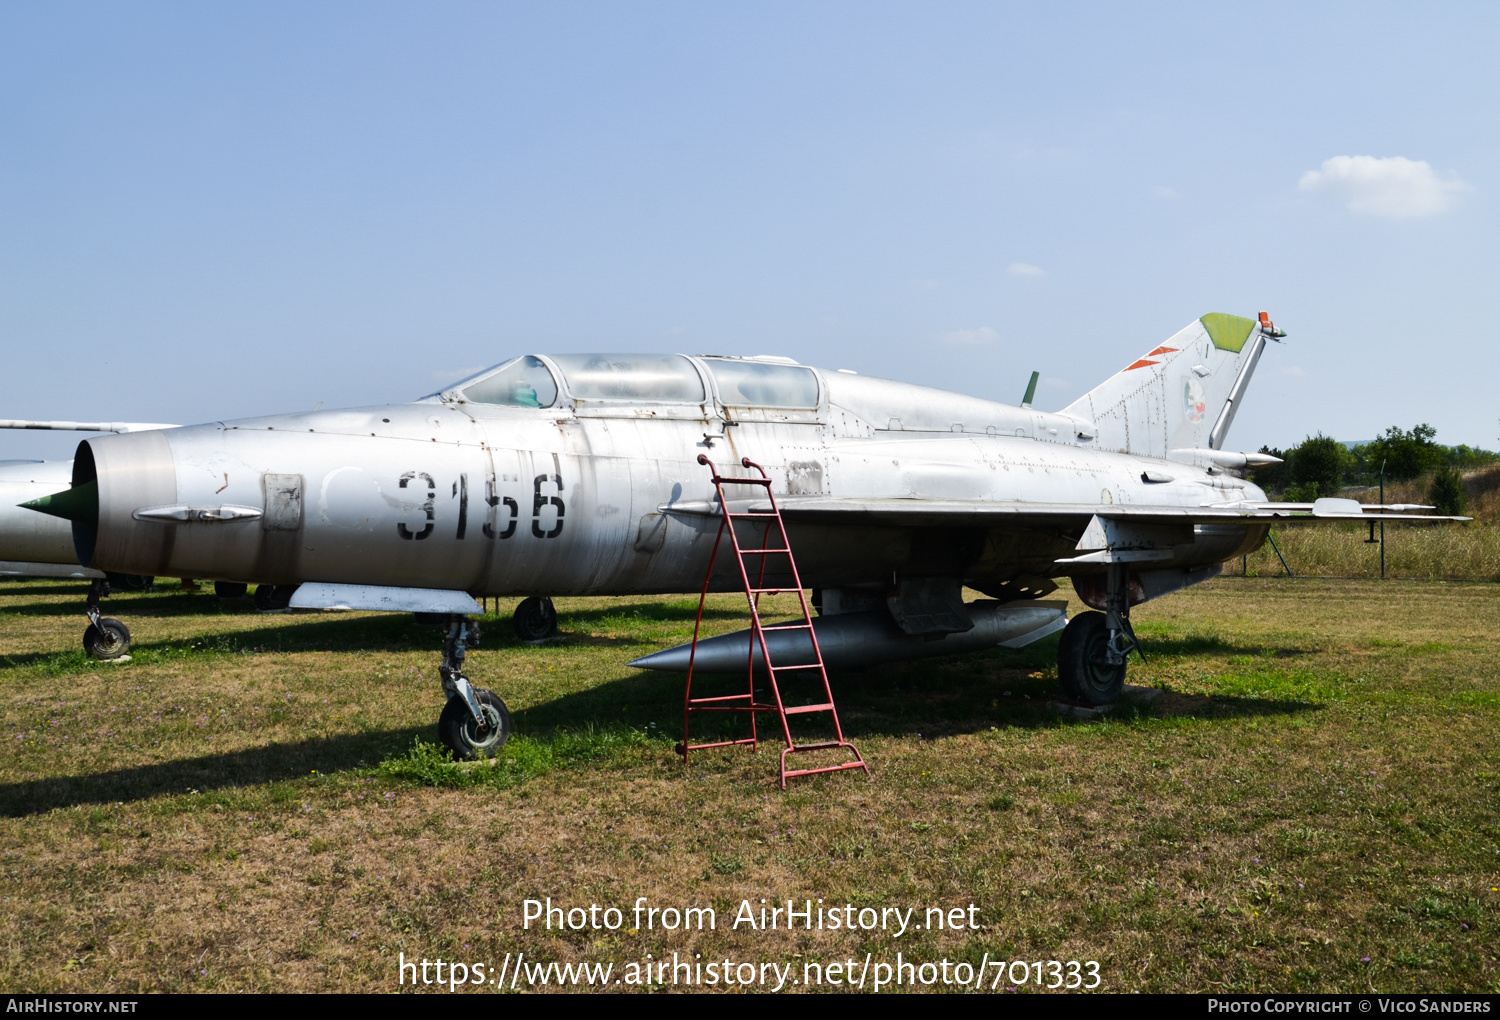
[(753, 593)]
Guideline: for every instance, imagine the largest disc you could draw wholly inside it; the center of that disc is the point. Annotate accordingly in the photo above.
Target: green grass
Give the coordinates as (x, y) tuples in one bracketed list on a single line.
[(257, 802)]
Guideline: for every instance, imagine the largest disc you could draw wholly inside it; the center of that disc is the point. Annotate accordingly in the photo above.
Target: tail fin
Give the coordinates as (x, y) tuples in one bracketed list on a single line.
[(1182, 394)]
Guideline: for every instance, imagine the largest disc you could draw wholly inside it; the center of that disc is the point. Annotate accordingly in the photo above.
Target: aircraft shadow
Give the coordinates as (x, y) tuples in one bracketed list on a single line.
[(318, 631), (929, 698), (267, 764)]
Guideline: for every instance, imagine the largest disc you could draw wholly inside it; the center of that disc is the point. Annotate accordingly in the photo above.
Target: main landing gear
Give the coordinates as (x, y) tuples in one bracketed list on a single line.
[(475, 723), (105, 638), (1091, 656), (535, 619)]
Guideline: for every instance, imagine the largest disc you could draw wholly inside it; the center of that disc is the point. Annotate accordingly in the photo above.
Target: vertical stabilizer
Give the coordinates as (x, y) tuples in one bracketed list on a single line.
[(1183, 393)]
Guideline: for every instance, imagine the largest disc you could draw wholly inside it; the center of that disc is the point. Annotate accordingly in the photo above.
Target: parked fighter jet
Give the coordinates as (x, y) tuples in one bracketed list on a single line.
[(578, 474)]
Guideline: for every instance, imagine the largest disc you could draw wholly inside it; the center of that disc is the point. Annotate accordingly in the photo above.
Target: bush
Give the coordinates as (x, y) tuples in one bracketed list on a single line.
[(1318, 466), (1447, 492)]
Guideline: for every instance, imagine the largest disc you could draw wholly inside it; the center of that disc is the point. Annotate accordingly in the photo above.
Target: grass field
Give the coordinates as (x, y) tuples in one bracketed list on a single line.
[(253, 803)]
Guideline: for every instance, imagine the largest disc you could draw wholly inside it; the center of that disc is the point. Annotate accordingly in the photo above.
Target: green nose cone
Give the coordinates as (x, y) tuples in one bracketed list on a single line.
[(79, 504)]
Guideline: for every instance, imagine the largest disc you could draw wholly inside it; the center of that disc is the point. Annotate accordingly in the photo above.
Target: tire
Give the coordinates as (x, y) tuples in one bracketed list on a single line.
[(1083, 666), (458, 733), (109, 640), (535, 619), (230, 589), (129, 582)]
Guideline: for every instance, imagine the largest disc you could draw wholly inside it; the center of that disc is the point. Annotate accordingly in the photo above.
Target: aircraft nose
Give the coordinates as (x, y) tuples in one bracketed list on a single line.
[(123, 473)]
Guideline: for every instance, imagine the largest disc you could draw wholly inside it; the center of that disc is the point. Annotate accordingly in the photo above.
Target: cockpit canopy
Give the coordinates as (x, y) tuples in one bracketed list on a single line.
[(745, 382), (647, 378), (524, 382)]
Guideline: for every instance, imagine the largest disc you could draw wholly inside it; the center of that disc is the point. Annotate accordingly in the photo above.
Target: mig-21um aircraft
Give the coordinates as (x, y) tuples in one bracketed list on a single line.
[(579, 474)]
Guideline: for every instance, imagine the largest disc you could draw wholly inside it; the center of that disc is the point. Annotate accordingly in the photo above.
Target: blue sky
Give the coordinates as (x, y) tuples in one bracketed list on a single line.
[(218, 210)]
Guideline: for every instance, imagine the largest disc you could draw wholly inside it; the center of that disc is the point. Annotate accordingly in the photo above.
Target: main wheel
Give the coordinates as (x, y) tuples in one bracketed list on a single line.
[(109, 640), (230, 589), (535, 619), (130, 582), (459, 733), (1083, 665), (273, 596)]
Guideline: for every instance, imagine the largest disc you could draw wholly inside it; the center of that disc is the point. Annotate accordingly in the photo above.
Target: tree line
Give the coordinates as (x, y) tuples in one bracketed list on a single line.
[(1322, 466)]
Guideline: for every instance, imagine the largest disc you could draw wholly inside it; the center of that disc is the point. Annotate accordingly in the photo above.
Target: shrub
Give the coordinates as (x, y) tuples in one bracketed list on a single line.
[(1447, 491)]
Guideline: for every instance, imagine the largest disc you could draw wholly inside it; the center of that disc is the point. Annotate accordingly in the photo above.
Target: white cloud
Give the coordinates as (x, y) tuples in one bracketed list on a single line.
[(1161, 191), (980, 337), (1391, 186), (1025, 269)]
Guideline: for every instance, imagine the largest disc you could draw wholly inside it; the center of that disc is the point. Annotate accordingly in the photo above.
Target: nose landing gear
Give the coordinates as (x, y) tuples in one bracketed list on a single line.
[(475, 722), (105, 638)]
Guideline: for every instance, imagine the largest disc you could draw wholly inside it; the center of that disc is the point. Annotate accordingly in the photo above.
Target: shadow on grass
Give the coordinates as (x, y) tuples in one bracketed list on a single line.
[(252, 766), (930, 698), (320, 631), (999, 689)]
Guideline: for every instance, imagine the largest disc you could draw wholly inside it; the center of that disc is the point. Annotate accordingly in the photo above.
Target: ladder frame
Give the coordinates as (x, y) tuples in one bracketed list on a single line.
[(746, 702)]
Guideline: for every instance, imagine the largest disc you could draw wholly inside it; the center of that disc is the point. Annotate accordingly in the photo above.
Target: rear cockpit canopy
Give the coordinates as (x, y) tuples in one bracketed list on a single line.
[(631, 377), (753, 382)]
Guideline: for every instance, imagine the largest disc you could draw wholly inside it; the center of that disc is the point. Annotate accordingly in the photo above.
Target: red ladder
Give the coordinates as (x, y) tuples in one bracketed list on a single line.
[(746, 702)]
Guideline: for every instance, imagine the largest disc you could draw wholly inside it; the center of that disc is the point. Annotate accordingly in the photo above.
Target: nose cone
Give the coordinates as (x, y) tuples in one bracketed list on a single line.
[(80, 504), (122, 473)]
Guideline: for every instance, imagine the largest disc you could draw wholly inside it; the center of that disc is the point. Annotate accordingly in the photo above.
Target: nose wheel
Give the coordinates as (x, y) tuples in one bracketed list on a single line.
[(464, 735), (105, 637), (475, 722)]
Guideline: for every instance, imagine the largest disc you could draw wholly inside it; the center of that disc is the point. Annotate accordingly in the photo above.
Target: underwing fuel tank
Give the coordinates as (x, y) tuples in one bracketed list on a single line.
[(862, 639)]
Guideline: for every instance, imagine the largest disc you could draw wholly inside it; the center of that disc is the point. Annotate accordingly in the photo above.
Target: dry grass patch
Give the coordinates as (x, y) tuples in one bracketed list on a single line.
[(234, 809)]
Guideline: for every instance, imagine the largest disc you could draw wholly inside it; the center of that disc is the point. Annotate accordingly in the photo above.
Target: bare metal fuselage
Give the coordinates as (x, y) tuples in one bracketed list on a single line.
[(570, 500)]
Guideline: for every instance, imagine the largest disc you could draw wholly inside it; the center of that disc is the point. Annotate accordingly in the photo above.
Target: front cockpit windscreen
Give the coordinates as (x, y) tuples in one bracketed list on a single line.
[(524, 382), (744, 383), (651, 377)]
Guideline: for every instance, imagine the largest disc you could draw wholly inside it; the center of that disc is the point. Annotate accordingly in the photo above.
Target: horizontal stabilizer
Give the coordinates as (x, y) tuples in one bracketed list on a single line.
[(320, 595)]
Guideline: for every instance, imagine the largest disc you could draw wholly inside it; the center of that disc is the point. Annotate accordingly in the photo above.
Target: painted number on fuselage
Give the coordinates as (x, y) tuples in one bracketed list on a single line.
[(429, 507), (538, 502), (493, 499)]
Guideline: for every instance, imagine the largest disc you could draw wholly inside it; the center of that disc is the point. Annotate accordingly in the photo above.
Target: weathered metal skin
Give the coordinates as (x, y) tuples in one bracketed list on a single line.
[(30, 537), (579, 498)]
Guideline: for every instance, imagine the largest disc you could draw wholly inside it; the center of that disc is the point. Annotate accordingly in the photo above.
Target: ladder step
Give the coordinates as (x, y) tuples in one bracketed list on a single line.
[(762, 552), (725, 697), (786, 626), (793, 773), (804, 709), (772, 591)]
